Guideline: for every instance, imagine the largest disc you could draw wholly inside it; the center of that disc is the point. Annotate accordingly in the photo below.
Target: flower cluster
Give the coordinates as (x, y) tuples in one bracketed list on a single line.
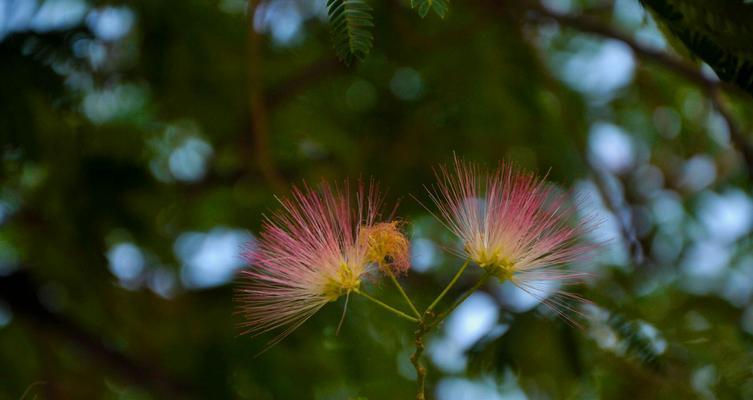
[(386, 246), (515, 226), (318, 247), (323, 243)]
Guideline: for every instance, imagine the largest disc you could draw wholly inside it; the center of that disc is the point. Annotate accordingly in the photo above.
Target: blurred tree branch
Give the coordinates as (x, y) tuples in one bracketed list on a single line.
[(614, 201), (716, 32), (712, 87), (20, 293), (258, 106), (588, 24), (313, 73)]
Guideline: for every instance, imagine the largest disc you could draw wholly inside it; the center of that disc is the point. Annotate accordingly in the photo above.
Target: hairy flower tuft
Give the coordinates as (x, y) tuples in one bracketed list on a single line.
[(515, 226), (309, 254), (386, 246)]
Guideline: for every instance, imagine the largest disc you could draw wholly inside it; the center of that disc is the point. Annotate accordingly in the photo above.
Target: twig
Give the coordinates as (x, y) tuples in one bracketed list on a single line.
[(611, 201), (449, 285), (386, 306), (462, 298), (415, 358), (402, 293), (618, 209), (426, 324), (430, 321), (258, 107), (735, 135), (31, 386)]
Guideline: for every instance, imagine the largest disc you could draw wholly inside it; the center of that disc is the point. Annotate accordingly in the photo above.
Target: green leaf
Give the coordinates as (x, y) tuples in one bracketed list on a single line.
[(439, 6), (350, 23), (716, 32)]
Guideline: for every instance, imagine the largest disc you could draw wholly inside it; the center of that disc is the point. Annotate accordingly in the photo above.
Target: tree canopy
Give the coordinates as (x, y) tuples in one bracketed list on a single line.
[(142, 142)]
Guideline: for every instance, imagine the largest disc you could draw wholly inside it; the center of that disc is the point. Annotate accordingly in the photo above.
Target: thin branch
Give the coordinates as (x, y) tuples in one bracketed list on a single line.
[(30, 387), (735, 135), (417, 356), (402, 293), (712, 87), (429, 321), (481, 282), (591, 25), (257, 104), (19, 292), (616, 203), (448, 287), (313, 73), (620, 210), (386, 306)]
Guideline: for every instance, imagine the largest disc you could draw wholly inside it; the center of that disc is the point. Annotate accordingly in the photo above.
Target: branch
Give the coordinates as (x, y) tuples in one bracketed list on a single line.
[(444, 314), (292, 86), (591, 25), (712, 87), (620, 210), (735, 135), (258, 107), (19, 292), (415, 358)]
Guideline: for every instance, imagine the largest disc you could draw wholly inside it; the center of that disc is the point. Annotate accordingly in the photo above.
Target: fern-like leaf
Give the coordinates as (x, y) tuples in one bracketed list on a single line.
[(424, 6), (350, 22)]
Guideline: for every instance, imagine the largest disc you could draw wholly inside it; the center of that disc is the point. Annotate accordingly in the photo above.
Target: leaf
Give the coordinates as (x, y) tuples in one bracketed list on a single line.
[(350, 23), (439, 6), (716, 32)]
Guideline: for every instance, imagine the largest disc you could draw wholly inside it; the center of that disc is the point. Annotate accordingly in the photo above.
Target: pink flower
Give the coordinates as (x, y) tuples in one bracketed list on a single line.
[(515, 226), (387, 247), (309, 254)]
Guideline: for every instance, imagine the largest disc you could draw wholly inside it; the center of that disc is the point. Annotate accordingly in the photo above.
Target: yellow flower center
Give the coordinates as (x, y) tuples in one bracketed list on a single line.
[(345, 281), (503, 270), (493, 261)]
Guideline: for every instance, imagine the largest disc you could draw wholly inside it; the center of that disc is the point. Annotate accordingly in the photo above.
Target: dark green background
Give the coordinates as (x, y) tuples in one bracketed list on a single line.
[(90, 123)]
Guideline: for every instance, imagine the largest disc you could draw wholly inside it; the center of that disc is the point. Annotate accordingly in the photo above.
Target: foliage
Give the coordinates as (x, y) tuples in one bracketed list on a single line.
[(424, 6), (142, 144), (716, 32), (350, 21)]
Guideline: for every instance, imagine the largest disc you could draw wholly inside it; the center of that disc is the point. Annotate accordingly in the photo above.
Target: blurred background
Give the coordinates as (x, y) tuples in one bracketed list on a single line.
[(141, 142)]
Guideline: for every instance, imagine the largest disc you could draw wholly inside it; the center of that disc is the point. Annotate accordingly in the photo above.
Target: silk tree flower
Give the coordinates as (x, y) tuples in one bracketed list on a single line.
[(515, 226), (386, 247), (310, 252)]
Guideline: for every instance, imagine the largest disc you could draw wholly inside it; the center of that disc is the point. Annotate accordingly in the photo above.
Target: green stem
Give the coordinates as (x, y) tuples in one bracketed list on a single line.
[(387, 307), (402, 292), (462, 298), (425, 324), (448, 287)]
